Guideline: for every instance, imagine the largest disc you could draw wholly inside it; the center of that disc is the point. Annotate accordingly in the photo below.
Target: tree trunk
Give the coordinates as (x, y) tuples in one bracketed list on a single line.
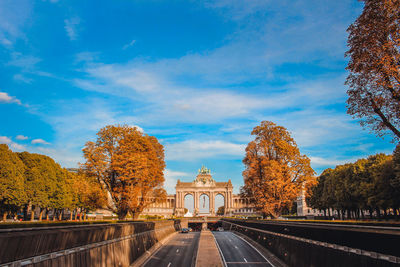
[(76, 214), (60, 215), (32, 215), (5, 215), (378, 213), (70, 215), (25, 211), (41, 214), (54, 214), (122, 214), (384, 118), (135, 216)]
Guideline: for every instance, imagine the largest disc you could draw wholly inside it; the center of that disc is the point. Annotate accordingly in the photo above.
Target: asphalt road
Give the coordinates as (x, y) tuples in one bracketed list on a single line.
[(237, 252), (181, 251)]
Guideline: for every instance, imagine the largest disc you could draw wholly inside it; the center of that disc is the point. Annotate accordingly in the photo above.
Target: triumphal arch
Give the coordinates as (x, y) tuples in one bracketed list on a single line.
[(204, 184)]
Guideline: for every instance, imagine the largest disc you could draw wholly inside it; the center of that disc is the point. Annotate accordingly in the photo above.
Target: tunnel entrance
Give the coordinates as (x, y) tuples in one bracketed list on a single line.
[(212, 226), (195, 226)]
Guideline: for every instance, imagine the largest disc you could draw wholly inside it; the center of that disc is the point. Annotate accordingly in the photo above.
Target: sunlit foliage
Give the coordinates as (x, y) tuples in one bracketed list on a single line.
[(275, 171), (374, 79), (129, 165)]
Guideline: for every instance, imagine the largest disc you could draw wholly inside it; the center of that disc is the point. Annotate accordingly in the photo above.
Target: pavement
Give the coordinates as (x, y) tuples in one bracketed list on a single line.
[(236, 251), (180, 251), (208, 255)]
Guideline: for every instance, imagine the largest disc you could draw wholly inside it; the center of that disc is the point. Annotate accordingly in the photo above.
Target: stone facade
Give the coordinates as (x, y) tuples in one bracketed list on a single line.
[(203, 184)]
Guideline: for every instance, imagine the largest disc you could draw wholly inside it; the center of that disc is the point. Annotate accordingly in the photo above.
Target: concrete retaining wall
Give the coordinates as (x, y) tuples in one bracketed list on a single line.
[(302, 252), (89, 245)]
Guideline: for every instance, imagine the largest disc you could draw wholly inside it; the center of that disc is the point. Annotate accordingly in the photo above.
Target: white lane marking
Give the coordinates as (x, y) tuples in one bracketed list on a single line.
[(220, 252), (177, 250), (254, 249), (169, 264), (245, 259)]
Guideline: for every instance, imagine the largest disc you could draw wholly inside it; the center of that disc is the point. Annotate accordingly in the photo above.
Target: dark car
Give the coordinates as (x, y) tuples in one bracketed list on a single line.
[(185, 230)]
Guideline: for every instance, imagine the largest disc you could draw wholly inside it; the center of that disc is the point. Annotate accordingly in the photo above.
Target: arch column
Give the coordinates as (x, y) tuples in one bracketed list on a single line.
[(196, 202), (212, 203)]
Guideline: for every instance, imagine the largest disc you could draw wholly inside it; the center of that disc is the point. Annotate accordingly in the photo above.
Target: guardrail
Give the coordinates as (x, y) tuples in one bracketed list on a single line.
[(97, 245), (370, 238), (300, 251)]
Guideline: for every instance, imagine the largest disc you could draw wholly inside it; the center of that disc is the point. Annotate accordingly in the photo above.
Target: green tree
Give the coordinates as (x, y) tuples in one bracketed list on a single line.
[(12, 194), (40, 181)]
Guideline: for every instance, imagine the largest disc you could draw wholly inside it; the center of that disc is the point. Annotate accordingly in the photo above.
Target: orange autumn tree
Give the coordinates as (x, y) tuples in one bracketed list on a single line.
[(129, 165), (275, 170), (374, 66)]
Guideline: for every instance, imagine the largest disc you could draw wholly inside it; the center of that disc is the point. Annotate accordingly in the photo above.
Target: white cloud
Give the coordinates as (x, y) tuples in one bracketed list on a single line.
[(190, 150), (129, 44), (185, 104), (71, 27), (319, 161), (4, 41), (5, 98), (39, 141), (171, 178), (22, 78), (5, 140), (14, 146), (26, 62), (85, 57), (12, 19), (21, 137)]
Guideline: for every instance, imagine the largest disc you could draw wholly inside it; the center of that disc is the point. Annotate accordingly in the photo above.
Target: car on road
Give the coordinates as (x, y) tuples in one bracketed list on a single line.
[(220, 229), (185, 230)]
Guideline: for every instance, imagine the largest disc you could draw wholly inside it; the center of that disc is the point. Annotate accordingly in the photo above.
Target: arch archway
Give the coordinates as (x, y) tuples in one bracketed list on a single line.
[(219, 204), (204, 204), (189, 203)]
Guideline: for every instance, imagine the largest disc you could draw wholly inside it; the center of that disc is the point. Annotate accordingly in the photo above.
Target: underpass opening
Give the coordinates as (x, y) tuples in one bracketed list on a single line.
[(195, 226), (213, 226)]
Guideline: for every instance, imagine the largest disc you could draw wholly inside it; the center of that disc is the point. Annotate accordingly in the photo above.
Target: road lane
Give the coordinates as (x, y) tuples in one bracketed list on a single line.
[(179, 251), (237, 252)]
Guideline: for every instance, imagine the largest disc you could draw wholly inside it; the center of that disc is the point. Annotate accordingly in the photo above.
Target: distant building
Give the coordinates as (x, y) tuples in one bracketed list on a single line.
[(304, 210), (201, 187)]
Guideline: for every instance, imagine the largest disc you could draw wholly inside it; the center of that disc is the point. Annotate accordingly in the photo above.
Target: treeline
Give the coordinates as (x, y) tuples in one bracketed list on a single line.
[(366, 188), (30, 182)]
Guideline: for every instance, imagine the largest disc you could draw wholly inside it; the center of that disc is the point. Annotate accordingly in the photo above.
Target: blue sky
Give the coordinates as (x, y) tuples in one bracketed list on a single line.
[(198, 75)]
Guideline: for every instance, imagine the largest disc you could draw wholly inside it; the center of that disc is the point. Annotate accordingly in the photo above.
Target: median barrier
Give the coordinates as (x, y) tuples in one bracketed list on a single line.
[(118, 244), (300, 251)]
